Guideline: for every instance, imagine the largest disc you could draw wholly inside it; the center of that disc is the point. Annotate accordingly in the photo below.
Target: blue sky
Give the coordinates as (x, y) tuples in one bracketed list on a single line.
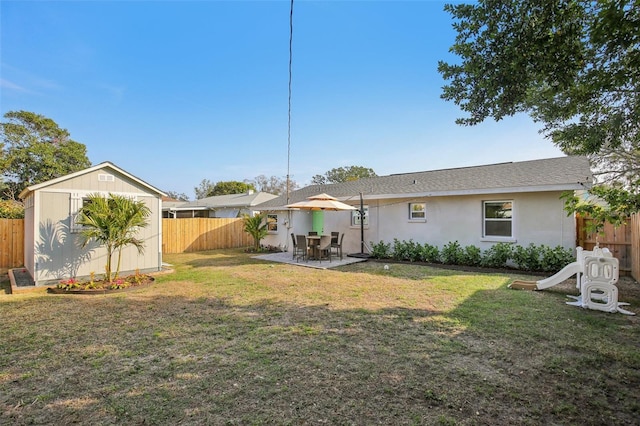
[(178, 92)]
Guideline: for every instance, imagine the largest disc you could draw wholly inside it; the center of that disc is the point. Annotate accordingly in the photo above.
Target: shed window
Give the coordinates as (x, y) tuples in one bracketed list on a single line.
[(77, 202)]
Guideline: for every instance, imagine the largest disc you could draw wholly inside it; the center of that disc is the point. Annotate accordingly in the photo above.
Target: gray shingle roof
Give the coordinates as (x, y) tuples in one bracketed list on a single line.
[(223, 201), (552, 174)]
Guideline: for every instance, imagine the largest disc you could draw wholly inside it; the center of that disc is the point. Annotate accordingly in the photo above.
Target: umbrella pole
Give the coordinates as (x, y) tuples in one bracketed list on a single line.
[(361, 225), (362, 254)]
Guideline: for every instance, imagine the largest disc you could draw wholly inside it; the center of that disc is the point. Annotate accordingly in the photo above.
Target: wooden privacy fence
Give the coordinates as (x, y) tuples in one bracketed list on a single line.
[(178, 236), (11, 243), (617, 240), (198, 234), (187, 235)]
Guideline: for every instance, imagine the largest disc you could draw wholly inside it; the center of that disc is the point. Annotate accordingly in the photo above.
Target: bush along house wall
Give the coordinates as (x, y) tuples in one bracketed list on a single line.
[(536, 258)]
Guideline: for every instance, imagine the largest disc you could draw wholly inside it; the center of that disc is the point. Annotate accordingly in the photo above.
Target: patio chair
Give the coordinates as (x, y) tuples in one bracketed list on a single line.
[(314, 233), (324, 248), (300, 248), (337, 245)]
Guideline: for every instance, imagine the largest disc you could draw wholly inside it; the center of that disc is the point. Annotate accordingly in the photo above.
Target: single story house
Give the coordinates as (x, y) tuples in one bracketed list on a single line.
[(515, 202), (52, 249), (225, 206)]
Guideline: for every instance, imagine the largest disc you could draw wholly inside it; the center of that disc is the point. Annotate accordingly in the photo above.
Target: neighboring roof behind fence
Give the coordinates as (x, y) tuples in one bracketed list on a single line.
[(245, 199)]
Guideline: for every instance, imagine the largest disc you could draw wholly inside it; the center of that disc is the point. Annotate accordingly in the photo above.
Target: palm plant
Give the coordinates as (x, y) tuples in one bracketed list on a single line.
[(113, 222), (255, 226)]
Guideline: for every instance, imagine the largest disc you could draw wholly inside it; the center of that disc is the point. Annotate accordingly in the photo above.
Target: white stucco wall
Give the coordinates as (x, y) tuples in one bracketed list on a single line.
[(538, 218)]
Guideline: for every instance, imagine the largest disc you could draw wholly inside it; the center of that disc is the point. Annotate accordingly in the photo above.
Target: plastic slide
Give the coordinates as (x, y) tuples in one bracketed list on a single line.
[(565, 273)]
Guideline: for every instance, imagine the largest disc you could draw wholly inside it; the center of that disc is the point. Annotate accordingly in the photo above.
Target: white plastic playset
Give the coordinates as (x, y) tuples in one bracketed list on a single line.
[(597, 273)]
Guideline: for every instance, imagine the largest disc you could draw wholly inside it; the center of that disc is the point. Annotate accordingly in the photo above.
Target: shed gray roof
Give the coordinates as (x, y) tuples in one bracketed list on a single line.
[(223, 201), (104, 165), (552, 174)]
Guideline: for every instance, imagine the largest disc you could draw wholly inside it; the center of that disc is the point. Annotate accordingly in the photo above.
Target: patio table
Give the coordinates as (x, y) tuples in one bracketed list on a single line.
[(318, 244), (314, 245)]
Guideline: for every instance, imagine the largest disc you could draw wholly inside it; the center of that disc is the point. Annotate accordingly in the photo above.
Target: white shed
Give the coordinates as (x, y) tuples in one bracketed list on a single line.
[(52, 249)]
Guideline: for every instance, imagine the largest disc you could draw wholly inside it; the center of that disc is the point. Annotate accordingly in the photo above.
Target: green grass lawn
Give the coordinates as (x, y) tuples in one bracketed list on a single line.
[(226, 339)]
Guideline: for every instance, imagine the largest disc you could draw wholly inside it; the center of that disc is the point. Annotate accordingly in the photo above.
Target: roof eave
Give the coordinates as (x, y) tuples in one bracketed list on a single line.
[(481, 191), (102, 165)]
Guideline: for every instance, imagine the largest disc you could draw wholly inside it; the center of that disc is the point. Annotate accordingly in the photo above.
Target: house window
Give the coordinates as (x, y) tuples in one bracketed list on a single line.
[(498, 219), (417, 211), (356, 219), (272, 222)]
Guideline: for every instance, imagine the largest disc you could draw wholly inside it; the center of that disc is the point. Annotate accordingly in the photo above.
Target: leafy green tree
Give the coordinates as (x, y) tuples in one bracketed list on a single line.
[(10, 209), (180, 196), (208, 189), (204, 189), (617, 166), (273, 184), (343, 174), (606, 203), (113, 222), (232, 187), (35, 149), (571, 65), (256, 226)]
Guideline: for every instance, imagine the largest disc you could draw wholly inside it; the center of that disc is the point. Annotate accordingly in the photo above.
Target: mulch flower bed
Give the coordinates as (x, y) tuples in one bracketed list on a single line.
[(121, 284)]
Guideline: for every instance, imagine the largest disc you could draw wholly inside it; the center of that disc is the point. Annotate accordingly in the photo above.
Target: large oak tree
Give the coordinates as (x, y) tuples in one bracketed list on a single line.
[(573, 66), (35, 149)]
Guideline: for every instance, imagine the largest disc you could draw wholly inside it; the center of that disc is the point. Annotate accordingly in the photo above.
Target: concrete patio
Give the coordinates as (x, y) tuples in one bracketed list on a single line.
[(286, 257)]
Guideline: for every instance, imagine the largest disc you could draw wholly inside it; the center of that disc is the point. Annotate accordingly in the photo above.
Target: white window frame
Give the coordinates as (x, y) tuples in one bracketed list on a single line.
[(78, 200), (499, 238), (272, 225), (355, 216), (422, 211)]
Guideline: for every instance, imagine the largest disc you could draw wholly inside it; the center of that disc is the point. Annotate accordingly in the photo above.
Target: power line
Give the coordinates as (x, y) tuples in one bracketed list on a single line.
[(289, 108)]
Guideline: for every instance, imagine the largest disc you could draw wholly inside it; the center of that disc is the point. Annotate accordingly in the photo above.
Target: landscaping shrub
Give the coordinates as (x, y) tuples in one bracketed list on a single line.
[(414, 250), (497, 256), (527, 258), (554, 259), (472, 256), (430, 254), (406, 250), (531, 258), (380, 250), (452, 253)]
